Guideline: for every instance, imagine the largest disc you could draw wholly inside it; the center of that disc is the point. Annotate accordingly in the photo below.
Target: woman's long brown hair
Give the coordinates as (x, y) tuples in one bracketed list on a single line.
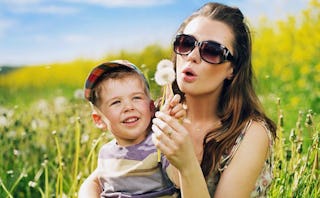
[(238, 101)]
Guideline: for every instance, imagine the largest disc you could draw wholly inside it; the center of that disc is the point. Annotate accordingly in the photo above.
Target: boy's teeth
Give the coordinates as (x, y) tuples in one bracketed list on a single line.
[(131, 120)]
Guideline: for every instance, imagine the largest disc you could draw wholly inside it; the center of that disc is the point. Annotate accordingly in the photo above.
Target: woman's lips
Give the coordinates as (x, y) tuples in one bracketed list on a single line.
[(188, 75)]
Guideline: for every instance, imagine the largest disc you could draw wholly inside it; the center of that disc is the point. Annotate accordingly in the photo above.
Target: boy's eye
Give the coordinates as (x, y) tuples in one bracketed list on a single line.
[(115, 102), (137, 97)]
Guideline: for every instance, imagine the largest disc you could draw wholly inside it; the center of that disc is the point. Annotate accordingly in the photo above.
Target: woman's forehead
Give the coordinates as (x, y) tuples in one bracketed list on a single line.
[(204, 28)]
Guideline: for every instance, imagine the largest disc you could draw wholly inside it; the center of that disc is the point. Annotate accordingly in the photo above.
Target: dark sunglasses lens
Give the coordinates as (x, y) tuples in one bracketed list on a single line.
[(183, 44), (211, 52)]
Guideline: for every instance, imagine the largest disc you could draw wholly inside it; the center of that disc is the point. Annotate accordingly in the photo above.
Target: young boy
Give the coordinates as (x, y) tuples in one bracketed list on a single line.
[(128, 165)]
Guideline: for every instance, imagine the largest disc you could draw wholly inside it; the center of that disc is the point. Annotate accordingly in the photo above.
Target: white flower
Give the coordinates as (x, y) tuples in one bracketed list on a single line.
[(32, 184), (164, 76), (60, 103), (84, 138), (164, 63), (78, 94), (16, 152), (42, 106), (4, 121)]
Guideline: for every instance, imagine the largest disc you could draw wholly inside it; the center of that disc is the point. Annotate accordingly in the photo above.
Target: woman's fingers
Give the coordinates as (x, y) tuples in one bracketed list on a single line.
[(164, 133), (164, 120), (164, 140), (178, 112), (175, 100), (170, 104)]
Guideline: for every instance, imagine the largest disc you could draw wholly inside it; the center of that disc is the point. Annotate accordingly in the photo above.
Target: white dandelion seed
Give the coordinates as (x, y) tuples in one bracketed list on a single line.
[(16, 152), (4, 121), (32, 184), (84, 138), (78, 94), (164, 76), (9, 172), (42, 106), (164, 63), (60, 103)]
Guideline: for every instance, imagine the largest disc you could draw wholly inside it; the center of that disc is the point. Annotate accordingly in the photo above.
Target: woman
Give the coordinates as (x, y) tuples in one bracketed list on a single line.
[(223, 147)]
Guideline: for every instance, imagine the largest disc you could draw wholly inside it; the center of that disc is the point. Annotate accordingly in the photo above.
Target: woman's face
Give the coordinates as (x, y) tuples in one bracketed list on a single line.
[(196, 76)]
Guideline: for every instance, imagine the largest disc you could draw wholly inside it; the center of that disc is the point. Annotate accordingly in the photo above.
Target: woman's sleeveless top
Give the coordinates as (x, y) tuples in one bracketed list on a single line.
[(265, 178)]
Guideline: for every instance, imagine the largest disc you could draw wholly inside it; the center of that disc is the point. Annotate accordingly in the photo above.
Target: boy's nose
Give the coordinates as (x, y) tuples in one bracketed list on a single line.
[(128, 106)]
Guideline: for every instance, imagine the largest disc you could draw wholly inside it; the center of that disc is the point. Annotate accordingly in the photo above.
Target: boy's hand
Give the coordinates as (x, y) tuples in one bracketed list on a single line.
[(174, 108)]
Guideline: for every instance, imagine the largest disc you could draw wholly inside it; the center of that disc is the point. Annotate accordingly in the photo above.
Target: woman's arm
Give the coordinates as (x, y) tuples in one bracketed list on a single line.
[(90, 187), (239, 178), (173, 139)]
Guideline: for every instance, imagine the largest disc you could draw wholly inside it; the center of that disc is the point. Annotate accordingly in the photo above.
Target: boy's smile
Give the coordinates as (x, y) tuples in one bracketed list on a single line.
[(126, 107)]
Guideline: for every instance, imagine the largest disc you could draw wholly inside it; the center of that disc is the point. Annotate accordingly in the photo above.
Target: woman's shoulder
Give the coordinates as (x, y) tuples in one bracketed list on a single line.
[(255, 138), (258, 128), (259, 131)]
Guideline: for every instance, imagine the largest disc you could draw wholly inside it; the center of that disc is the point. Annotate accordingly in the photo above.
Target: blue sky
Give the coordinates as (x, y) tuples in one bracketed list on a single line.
[(46, 31)]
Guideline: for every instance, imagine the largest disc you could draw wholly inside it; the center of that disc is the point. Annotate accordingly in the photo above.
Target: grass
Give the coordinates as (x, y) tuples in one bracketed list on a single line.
[(48, 151)]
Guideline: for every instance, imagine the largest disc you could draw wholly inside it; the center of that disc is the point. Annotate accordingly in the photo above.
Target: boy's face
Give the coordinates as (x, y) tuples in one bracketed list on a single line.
[(126, 108)]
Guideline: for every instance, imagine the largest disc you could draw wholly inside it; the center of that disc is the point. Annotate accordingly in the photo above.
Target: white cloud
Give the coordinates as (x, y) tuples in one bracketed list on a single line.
[(123, 3)]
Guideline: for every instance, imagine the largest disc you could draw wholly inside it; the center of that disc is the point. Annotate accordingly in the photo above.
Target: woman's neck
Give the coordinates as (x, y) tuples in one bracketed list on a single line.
[(201, 109)]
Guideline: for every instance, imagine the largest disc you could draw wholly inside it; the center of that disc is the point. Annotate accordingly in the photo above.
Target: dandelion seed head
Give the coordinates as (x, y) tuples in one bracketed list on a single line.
[(32, 184), (78, 94), (164, 76), (79, 176), (11, 134), (10, 172), (84, 138), (60, 103), (4, 121), (16, 152), (165, 63), (44, 163), (42, 106)]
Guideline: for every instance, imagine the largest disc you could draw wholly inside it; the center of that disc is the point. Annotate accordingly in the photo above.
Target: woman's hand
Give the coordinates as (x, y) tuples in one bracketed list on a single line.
[(174, 108), (173, 139)]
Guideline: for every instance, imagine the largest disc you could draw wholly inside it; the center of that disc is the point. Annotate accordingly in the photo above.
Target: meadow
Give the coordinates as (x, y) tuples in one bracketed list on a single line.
[(49, 143)]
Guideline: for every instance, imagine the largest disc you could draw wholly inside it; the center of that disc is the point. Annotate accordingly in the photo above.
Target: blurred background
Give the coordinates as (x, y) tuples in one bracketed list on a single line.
[(47, 48)]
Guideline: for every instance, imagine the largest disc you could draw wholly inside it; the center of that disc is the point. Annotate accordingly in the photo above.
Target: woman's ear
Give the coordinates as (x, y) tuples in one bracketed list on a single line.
[(98, 121), (230, 73)]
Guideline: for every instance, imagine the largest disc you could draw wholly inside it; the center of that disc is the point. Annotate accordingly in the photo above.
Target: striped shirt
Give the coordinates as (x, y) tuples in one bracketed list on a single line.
[(133, 171)]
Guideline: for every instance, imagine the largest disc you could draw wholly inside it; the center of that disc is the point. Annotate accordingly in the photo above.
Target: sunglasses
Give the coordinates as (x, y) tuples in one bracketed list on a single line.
[(210, 51)]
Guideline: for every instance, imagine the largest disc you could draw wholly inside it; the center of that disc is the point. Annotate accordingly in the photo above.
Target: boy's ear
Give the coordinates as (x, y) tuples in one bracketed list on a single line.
[(152, 108), (98, 121)]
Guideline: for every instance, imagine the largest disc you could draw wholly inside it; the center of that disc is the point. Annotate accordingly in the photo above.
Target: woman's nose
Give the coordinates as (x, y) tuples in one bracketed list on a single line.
[(194, 55)]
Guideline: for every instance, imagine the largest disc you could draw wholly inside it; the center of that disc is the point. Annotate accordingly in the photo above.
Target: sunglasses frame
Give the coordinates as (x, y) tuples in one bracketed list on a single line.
[(225, 55)]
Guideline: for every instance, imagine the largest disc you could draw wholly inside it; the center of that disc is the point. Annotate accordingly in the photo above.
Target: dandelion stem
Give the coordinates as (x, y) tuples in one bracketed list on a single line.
[(76, 157), (5, 189), (47, 188), (22, 174), (59, 176), (91, 153)]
